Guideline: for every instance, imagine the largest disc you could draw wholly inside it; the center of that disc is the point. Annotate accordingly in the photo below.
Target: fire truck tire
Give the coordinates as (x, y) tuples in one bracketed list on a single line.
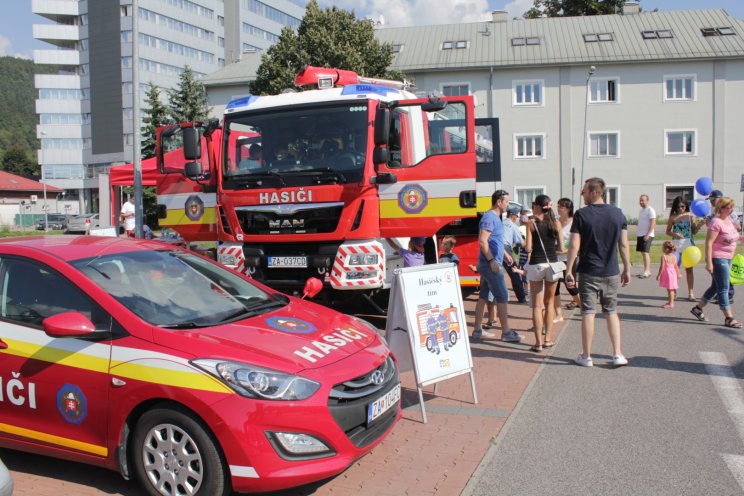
[(174, 453), (452, 338), (429, 344)]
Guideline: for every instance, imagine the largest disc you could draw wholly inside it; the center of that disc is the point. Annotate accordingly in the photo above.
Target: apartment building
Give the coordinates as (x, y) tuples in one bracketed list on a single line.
[(86, 109), (649, 101)]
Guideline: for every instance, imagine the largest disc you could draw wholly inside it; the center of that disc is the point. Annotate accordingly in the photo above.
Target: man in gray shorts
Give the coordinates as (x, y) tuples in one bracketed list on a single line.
[(597, 231)]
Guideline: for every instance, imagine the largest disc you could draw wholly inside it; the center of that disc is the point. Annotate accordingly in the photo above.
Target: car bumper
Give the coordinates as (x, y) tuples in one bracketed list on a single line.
[(258, 463)]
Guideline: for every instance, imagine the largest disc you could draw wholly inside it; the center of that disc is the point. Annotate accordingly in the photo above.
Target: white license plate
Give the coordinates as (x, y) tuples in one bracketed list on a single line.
[(288, 262), (383, 404)]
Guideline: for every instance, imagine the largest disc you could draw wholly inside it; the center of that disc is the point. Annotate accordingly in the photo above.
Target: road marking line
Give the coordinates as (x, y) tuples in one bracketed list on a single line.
[(728, 389)]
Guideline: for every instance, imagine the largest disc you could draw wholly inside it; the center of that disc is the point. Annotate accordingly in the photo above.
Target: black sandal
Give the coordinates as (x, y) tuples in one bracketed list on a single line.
[(732, 323), (698, 313)]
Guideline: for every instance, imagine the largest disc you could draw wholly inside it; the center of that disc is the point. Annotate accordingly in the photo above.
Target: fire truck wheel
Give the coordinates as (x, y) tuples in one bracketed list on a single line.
[(453, 338), (173, 453), (429, 344)]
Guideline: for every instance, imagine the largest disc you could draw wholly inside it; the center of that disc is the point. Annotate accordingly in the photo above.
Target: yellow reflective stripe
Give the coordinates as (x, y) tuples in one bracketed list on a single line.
[(484, 204), (131, 370), (166, 377), (52, 439), (436, 207), (179, 218), (55, 355)]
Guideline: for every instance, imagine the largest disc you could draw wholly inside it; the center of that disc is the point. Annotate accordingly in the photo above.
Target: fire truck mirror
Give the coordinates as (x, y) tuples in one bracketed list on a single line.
[(193, 170), (382, 126), (433, 105), (380, 155), (191, 143)]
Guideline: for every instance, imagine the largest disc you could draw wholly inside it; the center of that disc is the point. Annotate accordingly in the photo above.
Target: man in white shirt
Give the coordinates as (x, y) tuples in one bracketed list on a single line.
[(646, 226), (127, 217)]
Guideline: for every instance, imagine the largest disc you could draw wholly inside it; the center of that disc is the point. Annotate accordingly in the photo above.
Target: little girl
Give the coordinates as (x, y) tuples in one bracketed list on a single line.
[(669, 273)]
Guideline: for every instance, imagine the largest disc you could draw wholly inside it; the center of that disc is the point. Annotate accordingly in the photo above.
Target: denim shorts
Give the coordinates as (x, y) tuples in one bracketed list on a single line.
[(598, 289), (493, 282)]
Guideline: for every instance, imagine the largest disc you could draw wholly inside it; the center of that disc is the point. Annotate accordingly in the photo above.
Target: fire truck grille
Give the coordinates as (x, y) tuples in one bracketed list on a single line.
[(348, 403), (290, 219)]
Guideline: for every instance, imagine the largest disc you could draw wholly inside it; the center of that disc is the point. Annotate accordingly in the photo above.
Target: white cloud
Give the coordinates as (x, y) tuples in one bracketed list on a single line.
[(5, 46), (516, 8), (417, 12)]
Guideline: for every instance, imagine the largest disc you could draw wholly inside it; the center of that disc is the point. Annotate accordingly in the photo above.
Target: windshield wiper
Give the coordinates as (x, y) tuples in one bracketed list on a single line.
[(186, 325), (253, 310), (256, 177)]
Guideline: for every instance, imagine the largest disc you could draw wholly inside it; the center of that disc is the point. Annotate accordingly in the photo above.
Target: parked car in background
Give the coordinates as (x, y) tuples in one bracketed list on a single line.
[(82, 224), (6, 481), (57, 222)]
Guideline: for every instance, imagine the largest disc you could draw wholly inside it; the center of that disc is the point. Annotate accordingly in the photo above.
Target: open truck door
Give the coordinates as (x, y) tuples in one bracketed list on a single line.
[(186, 184), (425, 155)]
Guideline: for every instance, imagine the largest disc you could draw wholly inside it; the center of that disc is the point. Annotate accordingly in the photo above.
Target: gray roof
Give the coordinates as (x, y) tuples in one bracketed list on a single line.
[(562, 42), (237, 73)]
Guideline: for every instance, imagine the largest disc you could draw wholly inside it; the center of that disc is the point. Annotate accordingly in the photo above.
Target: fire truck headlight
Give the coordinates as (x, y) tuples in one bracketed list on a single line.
[(257, 382), (363, 259)]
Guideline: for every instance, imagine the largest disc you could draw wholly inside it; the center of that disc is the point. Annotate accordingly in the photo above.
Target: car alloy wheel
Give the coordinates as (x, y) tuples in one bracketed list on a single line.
[(176, 456)]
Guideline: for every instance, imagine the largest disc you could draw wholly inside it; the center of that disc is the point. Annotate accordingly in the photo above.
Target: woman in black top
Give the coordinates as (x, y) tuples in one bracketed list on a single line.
[(543, 234)]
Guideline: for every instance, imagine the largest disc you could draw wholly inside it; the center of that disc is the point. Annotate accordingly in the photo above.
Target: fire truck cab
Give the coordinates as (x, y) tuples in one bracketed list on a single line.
[(311, 183)]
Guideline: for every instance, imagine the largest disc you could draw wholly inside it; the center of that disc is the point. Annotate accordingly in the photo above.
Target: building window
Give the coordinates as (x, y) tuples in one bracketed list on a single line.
[(518, 41), (595, 37), (461, 44), (447, 45), (726, 31), (527, 93), (679, 88), (603, 91), (456, 89), (680, 142), (525, 196), (653, 35), (722, 31), (671, 192), (604, 144), (664, 33), (612, 195), (397, 48), (528, 146)]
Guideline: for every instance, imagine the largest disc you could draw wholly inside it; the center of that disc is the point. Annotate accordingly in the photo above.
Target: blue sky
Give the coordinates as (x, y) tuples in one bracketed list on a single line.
[(16, 38)]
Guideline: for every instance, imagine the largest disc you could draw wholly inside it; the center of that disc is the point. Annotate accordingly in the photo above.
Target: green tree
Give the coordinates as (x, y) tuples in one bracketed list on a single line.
[(188, 101), (573, 8), (155, 114), (329, 37), (16, 160)]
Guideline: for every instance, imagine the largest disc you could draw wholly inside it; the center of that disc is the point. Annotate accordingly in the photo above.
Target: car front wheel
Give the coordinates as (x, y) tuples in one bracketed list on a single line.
[(174, 454)]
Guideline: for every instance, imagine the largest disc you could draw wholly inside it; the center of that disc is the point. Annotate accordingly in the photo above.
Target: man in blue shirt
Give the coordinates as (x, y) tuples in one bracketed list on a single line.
[(512, 238), (597, 232), (491, 244)]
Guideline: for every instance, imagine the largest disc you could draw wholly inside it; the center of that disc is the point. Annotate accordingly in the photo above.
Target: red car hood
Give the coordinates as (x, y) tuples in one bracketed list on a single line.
[(302, 335)]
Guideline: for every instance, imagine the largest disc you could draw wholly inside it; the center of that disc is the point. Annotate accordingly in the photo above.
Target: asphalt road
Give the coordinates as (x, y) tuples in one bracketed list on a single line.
[(667, 424)]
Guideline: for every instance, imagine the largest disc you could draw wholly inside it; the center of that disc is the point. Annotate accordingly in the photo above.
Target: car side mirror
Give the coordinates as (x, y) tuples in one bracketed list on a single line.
[(68, 325)]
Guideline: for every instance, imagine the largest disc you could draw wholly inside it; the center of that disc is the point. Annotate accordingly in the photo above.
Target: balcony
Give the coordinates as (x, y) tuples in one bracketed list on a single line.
[(56, 10), (56, 34), (57, 57)]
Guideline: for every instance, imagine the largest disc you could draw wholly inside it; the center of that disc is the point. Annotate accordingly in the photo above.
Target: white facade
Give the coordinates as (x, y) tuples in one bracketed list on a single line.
[(85, 111)]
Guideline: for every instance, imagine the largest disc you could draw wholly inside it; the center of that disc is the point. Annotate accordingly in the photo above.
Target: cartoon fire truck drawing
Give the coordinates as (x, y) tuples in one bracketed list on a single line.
[(438, 327)]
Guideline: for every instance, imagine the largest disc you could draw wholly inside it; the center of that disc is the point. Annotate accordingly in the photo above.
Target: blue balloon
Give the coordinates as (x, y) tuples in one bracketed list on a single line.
[(704, 186), (700, 207)]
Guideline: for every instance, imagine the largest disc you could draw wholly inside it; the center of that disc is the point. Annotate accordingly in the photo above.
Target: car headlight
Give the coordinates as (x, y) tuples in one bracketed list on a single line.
[(257, 382), (363, 259)]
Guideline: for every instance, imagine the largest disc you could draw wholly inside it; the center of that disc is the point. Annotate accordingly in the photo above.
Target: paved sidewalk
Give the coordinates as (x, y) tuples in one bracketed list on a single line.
[(437, 458)]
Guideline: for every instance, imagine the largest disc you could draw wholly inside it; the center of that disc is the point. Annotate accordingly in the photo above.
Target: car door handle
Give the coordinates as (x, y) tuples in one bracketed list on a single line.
[(3, 345)]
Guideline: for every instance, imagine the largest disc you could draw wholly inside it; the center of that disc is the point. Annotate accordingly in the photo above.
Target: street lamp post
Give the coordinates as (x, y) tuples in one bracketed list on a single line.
[(584, 151)]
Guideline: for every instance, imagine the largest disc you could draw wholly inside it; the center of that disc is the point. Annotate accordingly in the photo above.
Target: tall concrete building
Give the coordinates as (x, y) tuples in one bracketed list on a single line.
[(86, 109)]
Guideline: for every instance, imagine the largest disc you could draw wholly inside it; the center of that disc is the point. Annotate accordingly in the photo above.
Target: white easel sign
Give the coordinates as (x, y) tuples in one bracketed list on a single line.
[(426, 327)]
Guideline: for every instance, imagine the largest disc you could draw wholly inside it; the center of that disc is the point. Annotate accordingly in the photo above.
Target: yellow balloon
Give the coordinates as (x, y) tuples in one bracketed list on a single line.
[(691, 256)]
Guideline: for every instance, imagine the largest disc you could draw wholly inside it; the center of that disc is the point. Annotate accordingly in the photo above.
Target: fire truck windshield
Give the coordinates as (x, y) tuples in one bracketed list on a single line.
[(312, 145)]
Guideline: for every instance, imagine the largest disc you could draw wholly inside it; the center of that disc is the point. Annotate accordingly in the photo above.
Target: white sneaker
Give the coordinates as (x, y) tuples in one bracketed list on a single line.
[(584, 362), (480, 334), (511, 337), (619, 361)]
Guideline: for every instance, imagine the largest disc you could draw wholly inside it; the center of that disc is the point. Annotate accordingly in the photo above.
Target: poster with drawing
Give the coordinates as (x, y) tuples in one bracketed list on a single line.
[(426, 326)]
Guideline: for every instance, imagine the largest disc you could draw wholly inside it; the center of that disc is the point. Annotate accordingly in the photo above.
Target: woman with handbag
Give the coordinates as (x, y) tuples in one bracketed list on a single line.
[(720, 248), (682, 227), (544, 270)]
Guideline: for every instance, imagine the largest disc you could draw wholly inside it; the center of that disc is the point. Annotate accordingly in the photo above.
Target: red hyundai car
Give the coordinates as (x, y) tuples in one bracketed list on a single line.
[(156, 362)]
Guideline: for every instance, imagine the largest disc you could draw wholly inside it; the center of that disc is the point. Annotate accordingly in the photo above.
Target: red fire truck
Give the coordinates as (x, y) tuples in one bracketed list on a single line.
[(311, 183)]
